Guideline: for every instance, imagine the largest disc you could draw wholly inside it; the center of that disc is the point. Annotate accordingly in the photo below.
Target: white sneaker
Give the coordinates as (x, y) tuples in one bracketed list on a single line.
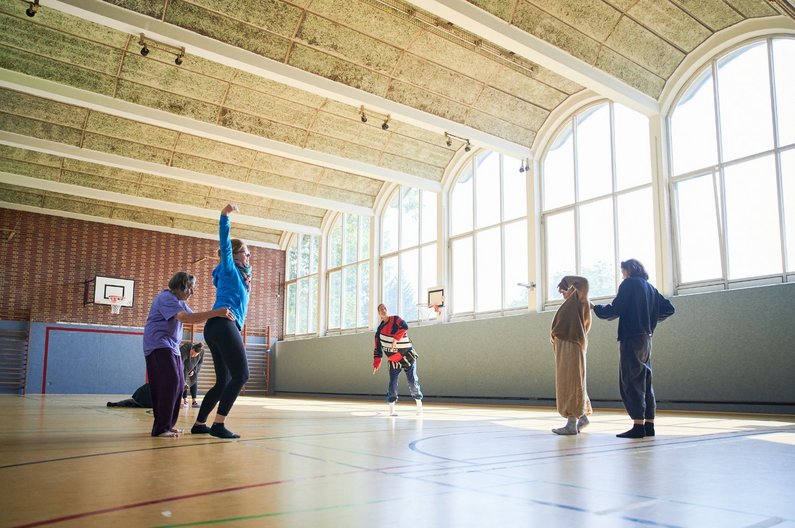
[(419, 406), (392, 411)]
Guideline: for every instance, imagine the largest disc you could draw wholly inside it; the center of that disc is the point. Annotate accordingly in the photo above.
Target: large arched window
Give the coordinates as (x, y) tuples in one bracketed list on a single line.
[(408, 250), (488, 235), (596, 195), (348, 273), (732, 136), (301, 286)]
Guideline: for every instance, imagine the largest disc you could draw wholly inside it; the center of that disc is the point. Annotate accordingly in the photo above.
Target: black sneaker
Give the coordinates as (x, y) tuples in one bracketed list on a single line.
[(220, 431), (637, 431), (199, 429)]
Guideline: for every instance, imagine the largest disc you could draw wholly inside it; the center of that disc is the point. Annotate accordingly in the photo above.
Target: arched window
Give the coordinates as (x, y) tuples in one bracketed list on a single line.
[(732, 137), (488, 235), (408, 250), (596, 198), (348, 273), (301, 286)]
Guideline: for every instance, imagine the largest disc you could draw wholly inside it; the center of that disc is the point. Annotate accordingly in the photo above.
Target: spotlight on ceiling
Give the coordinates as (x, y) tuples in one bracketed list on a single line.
[(180, 57), (521, 168), (449, 141), (385, 126), (142, 43), (524, 167), (361, 113), (33, 8)]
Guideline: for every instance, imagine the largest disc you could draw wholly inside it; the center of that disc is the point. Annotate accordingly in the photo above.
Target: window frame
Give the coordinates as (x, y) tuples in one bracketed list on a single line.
[(339, 222), (548, 299), (398, 192), (471, 164), (294, 245), (717, 171)]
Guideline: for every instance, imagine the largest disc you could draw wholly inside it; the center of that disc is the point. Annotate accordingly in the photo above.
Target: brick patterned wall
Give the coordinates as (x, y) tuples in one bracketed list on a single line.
[(47, 261)]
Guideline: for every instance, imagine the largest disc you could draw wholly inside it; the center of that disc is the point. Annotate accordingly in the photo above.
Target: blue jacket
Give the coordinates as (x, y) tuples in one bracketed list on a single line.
[(639, 307), (230, 287)]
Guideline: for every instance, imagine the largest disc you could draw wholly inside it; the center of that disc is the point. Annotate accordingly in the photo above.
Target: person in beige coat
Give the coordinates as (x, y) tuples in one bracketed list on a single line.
[(569, 336)]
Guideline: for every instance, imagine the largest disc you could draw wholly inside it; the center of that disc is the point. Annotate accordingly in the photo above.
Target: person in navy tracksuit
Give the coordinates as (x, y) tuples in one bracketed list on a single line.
[(639, 307)]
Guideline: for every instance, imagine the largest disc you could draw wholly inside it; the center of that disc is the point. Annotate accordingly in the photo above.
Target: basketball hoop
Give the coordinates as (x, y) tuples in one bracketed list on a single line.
[(428, 311), (115, 303)]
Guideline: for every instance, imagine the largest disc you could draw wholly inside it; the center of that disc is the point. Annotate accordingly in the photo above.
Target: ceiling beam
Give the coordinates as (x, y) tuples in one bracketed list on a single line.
[(482, 23), (120, 162), (149, 203), (159, 118), (109, 15), (125, 223)]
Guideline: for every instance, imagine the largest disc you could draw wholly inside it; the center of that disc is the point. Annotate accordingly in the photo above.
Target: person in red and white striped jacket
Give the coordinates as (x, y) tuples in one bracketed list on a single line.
[(391, 339)]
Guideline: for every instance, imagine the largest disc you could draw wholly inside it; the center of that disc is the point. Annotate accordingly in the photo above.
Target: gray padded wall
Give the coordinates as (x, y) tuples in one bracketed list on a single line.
[(733, 346)]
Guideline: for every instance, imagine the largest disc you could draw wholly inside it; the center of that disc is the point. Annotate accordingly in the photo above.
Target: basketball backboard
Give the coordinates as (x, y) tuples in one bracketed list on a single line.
[(436, 296), (107, 287)]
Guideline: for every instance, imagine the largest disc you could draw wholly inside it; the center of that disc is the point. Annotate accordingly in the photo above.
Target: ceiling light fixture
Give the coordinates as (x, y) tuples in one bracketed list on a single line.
[(449, 141), (147, 42), (361, 113), (525, 166), (385, 126), (33, 8)]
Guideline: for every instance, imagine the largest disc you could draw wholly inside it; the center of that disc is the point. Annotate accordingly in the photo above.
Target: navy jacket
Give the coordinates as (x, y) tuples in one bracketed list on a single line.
[(638, 306)]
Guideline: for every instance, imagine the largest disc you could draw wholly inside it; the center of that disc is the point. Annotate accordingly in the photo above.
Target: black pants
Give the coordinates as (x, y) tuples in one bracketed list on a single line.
[(635, 379), (230, 363), (194, 391)]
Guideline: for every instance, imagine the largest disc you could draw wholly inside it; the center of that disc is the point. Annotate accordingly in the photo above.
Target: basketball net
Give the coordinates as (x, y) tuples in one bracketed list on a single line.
[(115, 303), (428, 311)]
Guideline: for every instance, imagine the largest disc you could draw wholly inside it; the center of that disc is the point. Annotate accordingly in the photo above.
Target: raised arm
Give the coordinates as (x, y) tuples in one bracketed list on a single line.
[(224, 239)]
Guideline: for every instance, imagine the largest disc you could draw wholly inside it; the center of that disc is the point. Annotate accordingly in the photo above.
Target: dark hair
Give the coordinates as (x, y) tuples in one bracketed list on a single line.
[(181, 281), (197, 346), (634, 268), (236, 245)]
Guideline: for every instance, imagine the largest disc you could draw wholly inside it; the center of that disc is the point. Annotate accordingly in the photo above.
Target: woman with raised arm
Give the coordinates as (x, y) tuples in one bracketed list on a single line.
[(569, 336), (162, 334), (232, 280)]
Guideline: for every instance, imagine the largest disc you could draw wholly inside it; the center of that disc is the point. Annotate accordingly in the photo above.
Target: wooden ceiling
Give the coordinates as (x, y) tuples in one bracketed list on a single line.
[(266, 108)]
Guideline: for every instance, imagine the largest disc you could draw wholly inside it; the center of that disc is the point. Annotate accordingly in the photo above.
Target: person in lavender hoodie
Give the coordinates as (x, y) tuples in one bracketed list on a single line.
[(162, 334), (232, 281)]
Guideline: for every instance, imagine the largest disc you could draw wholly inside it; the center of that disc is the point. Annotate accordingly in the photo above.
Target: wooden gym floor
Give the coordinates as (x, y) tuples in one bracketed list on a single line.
[(68, 461)]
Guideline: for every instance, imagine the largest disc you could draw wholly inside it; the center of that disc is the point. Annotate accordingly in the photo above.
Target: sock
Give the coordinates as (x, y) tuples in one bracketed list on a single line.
[(569, 429), (199, 429), (583, 422), (219, 430), (637, 431), (648, 428)]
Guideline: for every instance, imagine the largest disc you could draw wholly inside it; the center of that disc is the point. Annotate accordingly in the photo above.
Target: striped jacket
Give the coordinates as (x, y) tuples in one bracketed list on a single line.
[(391, 338)]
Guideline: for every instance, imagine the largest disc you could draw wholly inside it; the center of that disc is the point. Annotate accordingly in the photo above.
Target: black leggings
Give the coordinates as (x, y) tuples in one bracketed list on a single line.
[(230, 363)]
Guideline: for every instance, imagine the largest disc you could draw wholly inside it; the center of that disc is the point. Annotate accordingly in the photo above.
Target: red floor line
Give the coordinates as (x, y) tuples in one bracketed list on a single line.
[(146, 503)]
